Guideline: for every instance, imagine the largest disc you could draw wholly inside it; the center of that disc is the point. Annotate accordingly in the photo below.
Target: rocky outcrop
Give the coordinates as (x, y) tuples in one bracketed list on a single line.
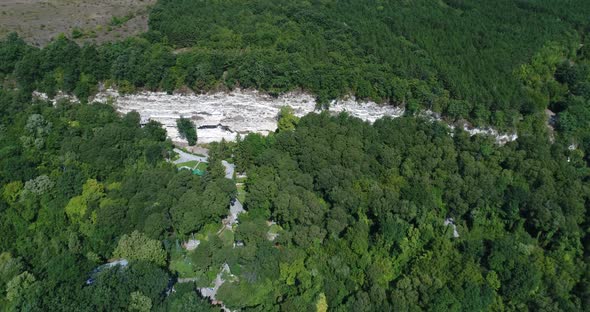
[(225, 115)]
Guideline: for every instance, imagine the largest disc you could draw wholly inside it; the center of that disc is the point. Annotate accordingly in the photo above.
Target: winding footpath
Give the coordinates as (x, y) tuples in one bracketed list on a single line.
[(235, 209)]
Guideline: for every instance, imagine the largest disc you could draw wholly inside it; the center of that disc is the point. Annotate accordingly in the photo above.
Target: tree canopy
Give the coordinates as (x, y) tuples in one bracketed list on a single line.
[(187, 130), (464, 59), (403, 214)]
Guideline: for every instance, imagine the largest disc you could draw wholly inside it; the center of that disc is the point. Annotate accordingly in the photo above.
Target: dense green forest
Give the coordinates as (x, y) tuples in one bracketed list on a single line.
[(462, 58), (454, 56), (360, 212), (368, 205), (341, 215)]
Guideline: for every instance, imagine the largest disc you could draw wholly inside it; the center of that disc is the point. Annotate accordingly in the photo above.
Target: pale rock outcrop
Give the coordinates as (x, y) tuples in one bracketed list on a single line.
[(224, 115)]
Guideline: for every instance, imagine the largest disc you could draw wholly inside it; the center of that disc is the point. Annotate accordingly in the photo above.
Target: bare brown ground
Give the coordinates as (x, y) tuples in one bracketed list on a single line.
[(39, 21)]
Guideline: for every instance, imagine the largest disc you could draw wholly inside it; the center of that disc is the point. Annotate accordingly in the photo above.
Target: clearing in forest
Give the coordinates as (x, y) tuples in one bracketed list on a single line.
[(39, 21)]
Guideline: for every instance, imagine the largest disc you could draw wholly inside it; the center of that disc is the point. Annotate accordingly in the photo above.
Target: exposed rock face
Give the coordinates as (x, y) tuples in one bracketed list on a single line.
[(191, 244), (224, 115), (58, 97), (451, 222), (501, 138)]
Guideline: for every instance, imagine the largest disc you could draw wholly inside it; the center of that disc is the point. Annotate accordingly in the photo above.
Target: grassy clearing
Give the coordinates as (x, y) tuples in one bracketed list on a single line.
[(275, 229), (181, 263), (227, 237), (183, 267), (241, 193), (202, 166), (206, 231), (190, 164), (83, 20), (120, 20)]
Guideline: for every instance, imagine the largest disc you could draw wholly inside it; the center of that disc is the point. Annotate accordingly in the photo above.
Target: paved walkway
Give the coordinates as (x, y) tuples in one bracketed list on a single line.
[(229, 169), (184, 157), (235, 209)]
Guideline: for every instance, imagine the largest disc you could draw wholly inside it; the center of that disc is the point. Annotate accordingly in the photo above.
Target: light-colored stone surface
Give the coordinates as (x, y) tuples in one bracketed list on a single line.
[(451, 222), (224, 115), (235, 209), (501, 138), (191, 244), (58, 97), (272, 236), (211, 292), (229, 169)]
